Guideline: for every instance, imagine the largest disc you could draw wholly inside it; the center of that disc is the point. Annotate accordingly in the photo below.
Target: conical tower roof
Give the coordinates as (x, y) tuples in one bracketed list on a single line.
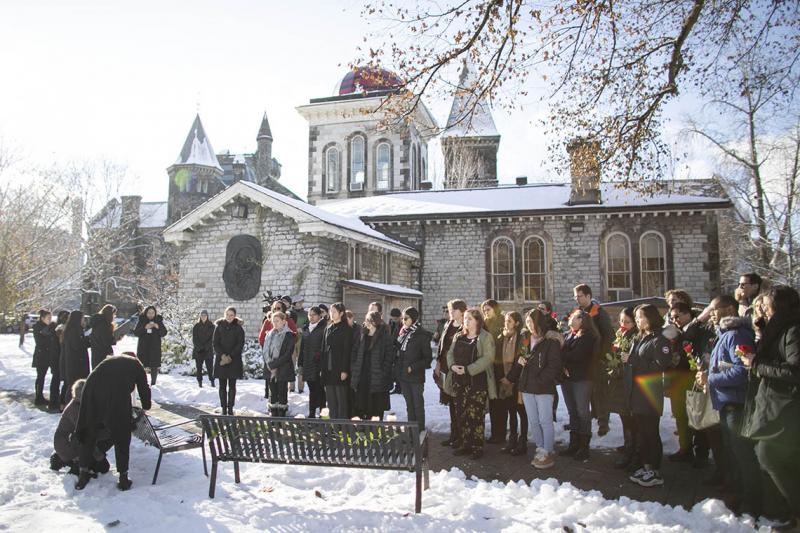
[(197, 149), (264, 131), (459, 123)]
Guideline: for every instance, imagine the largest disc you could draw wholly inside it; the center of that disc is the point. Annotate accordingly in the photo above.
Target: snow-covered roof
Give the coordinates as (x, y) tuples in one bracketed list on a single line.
[(197, 148), (385, 288), (527, 198), (310, 219), (464, 121), (153, 214)]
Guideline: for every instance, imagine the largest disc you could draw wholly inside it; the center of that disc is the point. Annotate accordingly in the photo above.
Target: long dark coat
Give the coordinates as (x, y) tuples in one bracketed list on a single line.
[(106, 399), (229, 340), (203, 340), (337, 347), (101, 339), (283, 363), (650, 356), (417, 355), (148, 348), (381, 353), (76, 356), (311, 351), (45, 355)]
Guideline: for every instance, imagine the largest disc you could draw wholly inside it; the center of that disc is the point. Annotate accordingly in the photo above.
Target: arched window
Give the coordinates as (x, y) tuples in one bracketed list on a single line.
[(534, 270), (332, 170), (503, 269), (618, 262), (357, 163), (384, 166), (652, 250)]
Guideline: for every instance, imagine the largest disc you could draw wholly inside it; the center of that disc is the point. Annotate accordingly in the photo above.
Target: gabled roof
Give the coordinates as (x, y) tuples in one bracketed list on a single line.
[(309, 219), (197, 148), (528, 199), (470, 116)]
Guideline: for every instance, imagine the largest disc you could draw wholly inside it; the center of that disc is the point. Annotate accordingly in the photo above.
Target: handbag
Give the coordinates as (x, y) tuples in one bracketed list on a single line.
[(699, 410), (225, 360)]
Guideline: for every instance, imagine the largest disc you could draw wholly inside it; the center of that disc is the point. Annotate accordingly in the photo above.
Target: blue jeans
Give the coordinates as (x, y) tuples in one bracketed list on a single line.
[(743, 467), (540, 419), (577, 395)]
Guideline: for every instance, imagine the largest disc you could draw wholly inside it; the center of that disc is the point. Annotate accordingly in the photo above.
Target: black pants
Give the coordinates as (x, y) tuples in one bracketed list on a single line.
[(630, 433), (153, 374), (41, 373), (316, 397), (227, 393), (650, 447), (415, 402), (498, 418), (600, 396), (516, 410), (778, 458), (450, 401), (209, 361), (55, 385), (278, 397), (122, 451), (337, 397)]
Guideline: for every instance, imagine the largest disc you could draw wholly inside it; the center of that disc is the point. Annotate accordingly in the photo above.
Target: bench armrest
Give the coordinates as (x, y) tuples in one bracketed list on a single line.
[(159, 428)]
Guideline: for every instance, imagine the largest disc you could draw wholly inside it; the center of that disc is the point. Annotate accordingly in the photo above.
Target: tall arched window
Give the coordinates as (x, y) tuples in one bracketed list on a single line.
[(332, 169), (618, 262), (534, 269), (652, 250), (357, 163), (384, 169), (503, 269)]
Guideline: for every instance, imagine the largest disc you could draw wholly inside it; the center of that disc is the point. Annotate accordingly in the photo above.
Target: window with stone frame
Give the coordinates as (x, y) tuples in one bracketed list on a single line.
[(653, 264), (384, 170), (386, 268), (502, 276), (618, 262), (357, 162), (352, 261), (534, 269), (332, 169)]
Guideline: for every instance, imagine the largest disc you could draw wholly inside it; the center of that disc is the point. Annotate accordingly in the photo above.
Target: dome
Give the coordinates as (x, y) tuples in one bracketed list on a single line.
[(368, 79)]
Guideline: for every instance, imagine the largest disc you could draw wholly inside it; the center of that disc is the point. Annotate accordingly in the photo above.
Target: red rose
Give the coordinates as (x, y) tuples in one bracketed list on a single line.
[(614, 348), (526, 341), (744, 348), (688, 348), (623, 329)]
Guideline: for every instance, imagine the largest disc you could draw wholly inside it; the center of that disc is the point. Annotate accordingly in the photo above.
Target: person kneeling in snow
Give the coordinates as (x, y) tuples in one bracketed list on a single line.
[(104, 419), (65, 442)]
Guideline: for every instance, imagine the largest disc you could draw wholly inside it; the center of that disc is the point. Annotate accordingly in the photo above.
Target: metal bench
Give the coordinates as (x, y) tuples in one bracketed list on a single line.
[(293, 441), (167, 441)]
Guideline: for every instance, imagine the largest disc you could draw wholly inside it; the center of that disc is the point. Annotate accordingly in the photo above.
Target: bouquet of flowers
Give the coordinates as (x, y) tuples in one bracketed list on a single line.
[(743, 350), (622, 344)]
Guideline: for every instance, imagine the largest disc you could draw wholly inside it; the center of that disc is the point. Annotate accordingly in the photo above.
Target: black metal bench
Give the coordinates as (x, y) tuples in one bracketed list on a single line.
[(293, 441), (167, 441)]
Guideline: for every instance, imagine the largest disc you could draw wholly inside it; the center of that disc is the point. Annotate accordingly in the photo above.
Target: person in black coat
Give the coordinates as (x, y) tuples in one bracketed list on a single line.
[(228, 365), (372, 366), (102, 335), (337, 346), (150, 329), (104, 419), (577, 356), (278, 364), (203, 347), (45, 356), (309, 360), (61, 322), (414, 357), (76, 351)]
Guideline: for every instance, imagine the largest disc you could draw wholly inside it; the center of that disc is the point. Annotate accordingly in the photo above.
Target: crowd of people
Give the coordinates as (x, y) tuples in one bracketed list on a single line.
[(741, 352)]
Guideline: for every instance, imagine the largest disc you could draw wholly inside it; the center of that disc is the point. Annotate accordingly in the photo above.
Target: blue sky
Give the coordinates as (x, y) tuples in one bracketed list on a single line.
[(84, 80)]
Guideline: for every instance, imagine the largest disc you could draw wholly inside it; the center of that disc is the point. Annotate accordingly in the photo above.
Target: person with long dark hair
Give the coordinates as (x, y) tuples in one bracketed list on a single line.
[(337, 346), (150, 329), (102, 336), (372, 368), (511, 343), (310, 359), (616, 361), (203, 347), (577, 355), (456, 310), (414, 356), (228, 366), (493, 322), (45, 357), (76, 351)]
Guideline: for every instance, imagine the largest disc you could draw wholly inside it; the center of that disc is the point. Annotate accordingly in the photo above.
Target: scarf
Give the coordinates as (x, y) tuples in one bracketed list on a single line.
[(406, 334), (312, 327), (272, 344), (509, 351)]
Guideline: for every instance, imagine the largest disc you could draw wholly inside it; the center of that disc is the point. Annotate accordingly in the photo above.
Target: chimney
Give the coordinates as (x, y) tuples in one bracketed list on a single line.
[(426, 185), (129, 217), (522, 180), (585, 171)]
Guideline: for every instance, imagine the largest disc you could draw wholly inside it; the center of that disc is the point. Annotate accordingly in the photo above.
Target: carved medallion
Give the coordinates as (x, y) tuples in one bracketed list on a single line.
[(242, 273)]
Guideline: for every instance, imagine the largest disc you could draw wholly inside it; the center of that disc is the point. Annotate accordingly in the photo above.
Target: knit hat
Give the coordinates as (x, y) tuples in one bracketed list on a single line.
[(204, 312)]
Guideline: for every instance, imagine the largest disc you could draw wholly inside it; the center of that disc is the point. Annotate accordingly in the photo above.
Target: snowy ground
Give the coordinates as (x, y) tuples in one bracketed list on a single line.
[(290, 498)]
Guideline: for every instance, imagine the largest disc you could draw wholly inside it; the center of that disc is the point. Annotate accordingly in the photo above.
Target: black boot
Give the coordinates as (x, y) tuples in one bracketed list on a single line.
[(56, 463), (200, 381), (582, 454), (153, 376), (212, 382), (40, 400), (574, 444), (512, 443), (83, 479), (521, 447), (124, 483), (101, 466)]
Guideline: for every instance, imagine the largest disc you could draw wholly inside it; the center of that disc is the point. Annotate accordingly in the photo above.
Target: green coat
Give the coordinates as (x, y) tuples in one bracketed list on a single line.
[(484, 363)]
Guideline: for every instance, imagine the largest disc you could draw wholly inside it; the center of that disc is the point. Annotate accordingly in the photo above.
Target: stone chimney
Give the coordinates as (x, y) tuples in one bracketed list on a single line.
[(585, 171), (129, 216)]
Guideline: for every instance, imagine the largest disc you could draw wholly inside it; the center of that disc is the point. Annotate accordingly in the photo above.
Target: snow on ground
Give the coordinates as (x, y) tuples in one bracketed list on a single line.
[(289, 498)]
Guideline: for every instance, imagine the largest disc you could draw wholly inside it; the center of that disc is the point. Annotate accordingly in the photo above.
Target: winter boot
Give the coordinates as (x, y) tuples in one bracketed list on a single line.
[(124, 483), (40, 400), (521, 448), (153, 377), (56, 463), (74, 469), (101, 466), (200, 381), (83, 479), (574, 444), (212, 382), (582, 454), (512, 443)]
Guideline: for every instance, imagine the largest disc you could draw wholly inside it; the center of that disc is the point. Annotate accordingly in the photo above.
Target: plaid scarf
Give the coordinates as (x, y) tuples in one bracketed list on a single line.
[(405, 335)]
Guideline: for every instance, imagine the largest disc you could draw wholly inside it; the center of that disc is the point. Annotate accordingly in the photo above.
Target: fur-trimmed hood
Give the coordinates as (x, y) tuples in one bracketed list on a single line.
[(735, 322), (555, 336), (219, 321)]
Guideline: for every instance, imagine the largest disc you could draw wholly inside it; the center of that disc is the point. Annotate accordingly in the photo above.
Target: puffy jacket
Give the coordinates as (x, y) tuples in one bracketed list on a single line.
[(543, 367), (578, 356), (311, 350), (381, 354), (727, 375), (651, 356), (229, 340), (203, 339)]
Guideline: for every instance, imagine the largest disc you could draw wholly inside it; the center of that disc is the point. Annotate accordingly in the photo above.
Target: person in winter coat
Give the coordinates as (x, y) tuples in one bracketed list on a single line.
[(511, 344), (617, 401), (65, 441), (228, 365), (61, 322), (471, 382), (577, 357), (45, 356), (774, 416), (337, 347), (456, 309), (309, 360), (150, 329), (726, 381), (278, 306), (278, 365), (493, 322), (203, 347), (414, 356), (102, 335), (536, 373), (372, 366), (650, 357), (76, 351), (104, 418)]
